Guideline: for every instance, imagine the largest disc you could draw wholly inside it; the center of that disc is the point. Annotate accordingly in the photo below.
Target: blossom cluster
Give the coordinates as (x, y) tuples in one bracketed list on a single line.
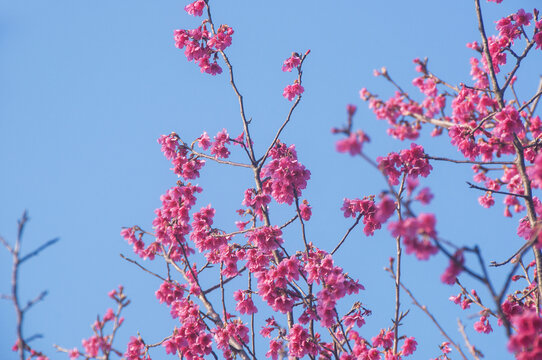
[(285, 176), (410, 162), (201, 45)]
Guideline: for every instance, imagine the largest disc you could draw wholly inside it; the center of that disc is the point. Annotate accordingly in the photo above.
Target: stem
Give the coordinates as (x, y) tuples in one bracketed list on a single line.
[(442, 331), (489, 61), (398, 269), (531, 213)]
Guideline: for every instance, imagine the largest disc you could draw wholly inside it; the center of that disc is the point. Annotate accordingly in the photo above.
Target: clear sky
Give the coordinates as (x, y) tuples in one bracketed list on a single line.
[(86, 88)]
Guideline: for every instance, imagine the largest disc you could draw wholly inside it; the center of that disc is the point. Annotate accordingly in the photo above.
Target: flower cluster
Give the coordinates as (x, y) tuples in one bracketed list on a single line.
[(319, 268), (417, 233), (410, 162), (291, 91), (527, 342), (454, 269), (192, 339), (292, 62), (373, 215), (353, 143), (201, 46), (185, 164), (286, 177)]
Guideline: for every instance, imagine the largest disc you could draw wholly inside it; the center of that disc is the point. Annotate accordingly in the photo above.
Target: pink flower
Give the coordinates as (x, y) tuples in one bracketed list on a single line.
[(305, 210), (385, 209), (424, 196), (508, 124), (538, 36), (411, 161), (266, 238), (300, 342), (486, 200), (351, 109), (535, 171), (135, 349), (483, 325), (354, 319), (411, 229), (195, 8), (218, 148), (364, 94), (353, 143), (367, 209), (291, 91), (526, 343), (204, 141), (454, 269), (292, 62), (222, 39), (409, 346), (244, 303), (523, 18), (445, 347), (169, 292), (109, 315), (275, 347), (257, 201), (286, 175), (73, 354)]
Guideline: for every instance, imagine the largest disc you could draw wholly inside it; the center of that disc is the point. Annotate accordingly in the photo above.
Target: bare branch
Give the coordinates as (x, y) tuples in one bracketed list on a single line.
[(487, 55), (472, 186), (38, 250), (142, 267), (347, 233), (31, 303), (469, 161), (470, 347)]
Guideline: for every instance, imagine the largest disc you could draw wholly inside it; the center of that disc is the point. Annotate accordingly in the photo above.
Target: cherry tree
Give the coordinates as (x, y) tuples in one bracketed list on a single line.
[(264, 289)]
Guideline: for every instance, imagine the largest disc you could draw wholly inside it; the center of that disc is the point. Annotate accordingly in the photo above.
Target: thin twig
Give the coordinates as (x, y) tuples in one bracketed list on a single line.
[(261, 161), (472, 186), (535, 99), (470, 347), (487, 55), (347, 233), (442, 331), (37, 299), (469, 161), (143, 268), (38, 250)]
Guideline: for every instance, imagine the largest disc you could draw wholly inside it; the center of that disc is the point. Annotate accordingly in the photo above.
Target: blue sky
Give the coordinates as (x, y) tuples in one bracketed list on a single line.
[(88, 86)]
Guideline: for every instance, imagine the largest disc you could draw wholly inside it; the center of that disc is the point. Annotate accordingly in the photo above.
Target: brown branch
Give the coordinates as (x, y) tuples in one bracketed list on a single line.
[(211, 313), (485, 49), (469, 161), (347, 233), (472, 186), (261, 161), (536, 98), (529, 202), (6, 245), (38, 250), (518, 62), (515, 255), (397, 273), (437, 122), (36, 300), (14, 285), (426, 311), (474, 352), (143, 268), (248, 139)]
